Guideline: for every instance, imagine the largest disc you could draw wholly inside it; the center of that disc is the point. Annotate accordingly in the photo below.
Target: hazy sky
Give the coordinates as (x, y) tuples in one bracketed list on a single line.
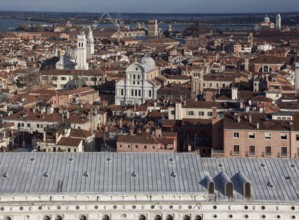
[(159, 6)]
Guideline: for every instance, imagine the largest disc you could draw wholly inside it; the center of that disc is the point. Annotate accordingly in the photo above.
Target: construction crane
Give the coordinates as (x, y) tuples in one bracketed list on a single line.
[(118, 22)]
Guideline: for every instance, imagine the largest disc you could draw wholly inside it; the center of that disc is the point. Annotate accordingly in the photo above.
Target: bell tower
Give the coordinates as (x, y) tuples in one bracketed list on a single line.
[(81, 52), (89, 43)]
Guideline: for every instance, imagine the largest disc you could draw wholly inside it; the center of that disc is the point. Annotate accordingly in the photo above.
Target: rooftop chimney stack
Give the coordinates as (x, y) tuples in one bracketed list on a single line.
[(234, 92), (297, 75)]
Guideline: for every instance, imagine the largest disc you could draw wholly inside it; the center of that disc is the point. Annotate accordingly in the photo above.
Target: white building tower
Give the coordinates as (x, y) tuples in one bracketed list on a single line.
[(81, 54), (153, 29), (278, 22), (89, 43), (297, 76)]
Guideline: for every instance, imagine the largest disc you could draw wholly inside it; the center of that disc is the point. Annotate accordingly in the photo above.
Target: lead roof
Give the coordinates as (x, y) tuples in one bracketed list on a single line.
[(140, 173)]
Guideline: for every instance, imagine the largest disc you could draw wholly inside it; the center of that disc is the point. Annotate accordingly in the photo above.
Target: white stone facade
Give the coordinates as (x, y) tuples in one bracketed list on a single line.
[(121, 207), (139, 84)]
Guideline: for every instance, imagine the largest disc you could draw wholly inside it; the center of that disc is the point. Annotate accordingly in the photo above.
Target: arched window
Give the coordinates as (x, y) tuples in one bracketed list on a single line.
[(229, 188), (186, 217), (58, 217), (211, 187), (247, 190), (141, 217), (198, 217), (106, 217), (46, 217), (82, 217), (169, 217), (7, 218), (158, 217)]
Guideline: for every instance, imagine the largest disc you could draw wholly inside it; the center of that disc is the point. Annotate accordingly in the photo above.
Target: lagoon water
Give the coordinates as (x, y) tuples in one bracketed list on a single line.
[(8, 25)]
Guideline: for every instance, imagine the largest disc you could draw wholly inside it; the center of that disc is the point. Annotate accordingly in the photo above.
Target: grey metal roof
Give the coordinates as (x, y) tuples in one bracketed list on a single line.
[(85, 173)]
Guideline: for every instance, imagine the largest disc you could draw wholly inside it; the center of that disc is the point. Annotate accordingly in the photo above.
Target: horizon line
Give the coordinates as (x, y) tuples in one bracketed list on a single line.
[(199, 13)]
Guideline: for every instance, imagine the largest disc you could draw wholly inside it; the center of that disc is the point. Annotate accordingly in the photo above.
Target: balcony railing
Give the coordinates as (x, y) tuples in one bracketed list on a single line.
[(250, 153), (267, 154), (217, 153), (235, 153)]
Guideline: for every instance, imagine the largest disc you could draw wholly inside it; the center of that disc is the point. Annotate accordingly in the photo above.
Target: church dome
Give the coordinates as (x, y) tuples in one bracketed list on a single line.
[(71, 53), (148, 63), (266, 19)]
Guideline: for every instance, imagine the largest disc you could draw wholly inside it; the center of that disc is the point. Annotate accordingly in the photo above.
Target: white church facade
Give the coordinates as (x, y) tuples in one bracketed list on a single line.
[(146, 186), (76, 57), (139, 84)]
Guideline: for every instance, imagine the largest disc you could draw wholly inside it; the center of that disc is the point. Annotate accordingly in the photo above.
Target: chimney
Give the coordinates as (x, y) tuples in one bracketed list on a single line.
[(67, 114), (50, 110), (238, 118), (214, 112), (4, 133), (120, 123), (246, 64), (139, 131), (158, 132), (132, 131), (234, 93), (250, 118), (258, 125)]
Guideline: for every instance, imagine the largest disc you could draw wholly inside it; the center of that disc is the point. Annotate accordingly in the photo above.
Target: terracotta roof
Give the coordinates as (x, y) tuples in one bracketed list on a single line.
[(74, 72), (80, 133), (202, 104), (259, 98), (140, 108), (82, 91), (271, 60), (169, 123), (169, 134), (164, 140), (30, 116), (67, 141), (139, 139), (192, 122), (264, 121)]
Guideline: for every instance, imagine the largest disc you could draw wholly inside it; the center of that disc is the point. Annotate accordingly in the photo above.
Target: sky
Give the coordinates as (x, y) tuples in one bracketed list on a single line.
[(153, 6)]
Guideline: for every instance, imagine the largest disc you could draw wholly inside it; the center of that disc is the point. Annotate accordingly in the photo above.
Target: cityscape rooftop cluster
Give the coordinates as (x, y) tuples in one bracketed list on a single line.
[(130, 122)]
